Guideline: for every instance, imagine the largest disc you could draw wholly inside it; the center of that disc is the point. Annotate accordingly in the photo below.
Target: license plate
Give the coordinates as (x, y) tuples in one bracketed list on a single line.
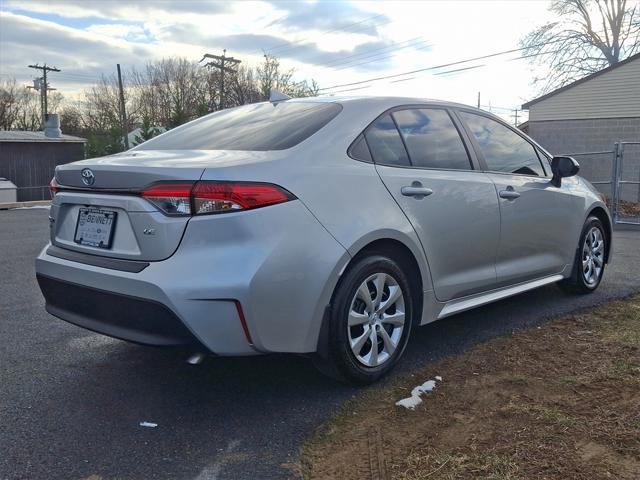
[(95, 227)]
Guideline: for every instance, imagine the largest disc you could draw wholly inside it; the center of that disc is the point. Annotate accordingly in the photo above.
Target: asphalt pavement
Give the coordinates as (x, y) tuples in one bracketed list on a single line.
[(71, 402)]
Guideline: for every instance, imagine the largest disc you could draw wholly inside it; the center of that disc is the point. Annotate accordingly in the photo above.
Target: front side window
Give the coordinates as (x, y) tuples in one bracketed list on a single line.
[(256, 127), (385, 143), (503, 149), (432, 139)]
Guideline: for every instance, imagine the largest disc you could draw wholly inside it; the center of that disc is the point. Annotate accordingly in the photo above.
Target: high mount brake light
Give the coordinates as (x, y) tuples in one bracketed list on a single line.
[(205, 197)]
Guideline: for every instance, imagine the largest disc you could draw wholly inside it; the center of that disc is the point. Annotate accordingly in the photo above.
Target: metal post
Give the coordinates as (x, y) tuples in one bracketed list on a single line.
[(123, 112), (615, 182)]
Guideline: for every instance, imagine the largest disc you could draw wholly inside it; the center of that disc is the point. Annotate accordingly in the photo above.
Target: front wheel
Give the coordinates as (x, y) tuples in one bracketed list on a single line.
[(589, 263), (369, 322)]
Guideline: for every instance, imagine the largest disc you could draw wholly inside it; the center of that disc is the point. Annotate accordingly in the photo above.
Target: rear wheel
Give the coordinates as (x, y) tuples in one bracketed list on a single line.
[(589, 263), (369, 322)]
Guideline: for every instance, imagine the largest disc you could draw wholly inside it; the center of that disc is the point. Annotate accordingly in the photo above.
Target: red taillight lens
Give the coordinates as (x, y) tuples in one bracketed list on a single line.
[(53, 187), (173, 198), (203, 197), (216, 197)]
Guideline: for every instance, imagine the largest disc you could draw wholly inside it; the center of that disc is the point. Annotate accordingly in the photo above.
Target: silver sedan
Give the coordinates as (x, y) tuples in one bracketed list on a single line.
[(323, 226)]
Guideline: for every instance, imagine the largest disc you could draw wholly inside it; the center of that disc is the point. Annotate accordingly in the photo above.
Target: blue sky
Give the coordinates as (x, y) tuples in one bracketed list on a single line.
[(333, 42)]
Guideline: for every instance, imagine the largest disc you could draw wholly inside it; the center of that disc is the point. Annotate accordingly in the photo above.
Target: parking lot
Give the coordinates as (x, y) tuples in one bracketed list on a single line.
[(71, 402)]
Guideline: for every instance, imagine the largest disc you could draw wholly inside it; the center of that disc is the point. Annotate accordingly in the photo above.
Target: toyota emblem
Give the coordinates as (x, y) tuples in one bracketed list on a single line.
[(88, 178)]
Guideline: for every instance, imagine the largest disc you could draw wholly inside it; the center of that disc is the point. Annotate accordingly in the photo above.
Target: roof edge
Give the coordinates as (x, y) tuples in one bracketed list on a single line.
[(525, 106)]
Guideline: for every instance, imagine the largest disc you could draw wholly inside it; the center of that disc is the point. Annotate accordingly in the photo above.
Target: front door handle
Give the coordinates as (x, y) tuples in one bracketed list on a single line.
[(509, 193), (416, 191)]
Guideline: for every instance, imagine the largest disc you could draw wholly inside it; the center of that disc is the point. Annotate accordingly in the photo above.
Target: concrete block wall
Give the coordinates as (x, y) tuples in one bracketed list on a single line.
[(591, 135)]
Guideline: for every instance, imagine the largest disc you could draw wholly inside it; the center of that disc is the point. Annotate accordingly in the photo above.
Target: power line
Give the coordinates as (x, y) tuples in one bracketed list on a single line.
[(452, 64), (435, 67), (460, 69), (374, 51), (290, 45), (384, 57)]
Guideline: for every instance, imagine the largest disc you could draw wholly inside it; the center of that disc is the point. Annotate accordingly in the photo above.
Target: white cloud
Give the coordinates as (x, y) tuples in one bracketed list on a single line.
[(135, 33), (334, 43)]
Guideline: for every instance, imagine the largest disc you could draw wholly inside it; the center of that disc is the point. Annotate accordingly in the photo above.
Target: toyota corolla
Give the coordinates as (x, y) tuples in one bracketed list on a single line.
[(323, 226)]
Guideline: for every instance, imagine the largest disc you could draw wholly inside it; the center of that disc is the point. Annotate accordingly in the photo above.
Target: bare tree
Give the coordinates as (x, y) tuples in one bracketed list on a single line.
[(9, 104), (270, 77), (20, 108), (588, 36), (29, 115), (162, 94)]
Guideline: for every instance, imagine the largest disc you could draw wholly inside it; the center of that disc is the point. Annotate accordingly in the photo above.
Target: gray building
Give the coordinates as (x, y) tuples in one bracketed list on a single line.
[(590, 115), (28, 159)]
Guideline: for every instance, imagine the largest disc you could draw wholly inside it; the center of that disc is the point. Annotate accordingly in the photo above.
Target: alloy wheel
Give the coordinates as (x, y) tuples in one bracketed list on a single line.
[(376, 319), (593, 256)]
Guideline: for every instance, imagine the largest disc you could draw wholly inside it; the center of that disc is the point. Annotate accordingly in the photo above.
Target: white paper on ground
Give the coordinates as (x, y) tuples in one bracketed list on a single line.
[(414, 400)]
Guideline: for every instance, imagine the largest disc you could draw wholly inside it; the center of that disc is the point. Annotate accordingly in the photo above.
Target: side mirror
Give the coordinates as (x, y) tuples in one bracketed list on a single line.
[(563, 167)]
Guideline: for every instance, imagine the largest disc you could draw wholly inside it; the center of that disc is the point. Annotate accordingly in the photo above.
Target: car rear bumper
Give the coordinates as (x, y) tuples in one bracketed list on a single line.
[(121, 316), (238, 284)]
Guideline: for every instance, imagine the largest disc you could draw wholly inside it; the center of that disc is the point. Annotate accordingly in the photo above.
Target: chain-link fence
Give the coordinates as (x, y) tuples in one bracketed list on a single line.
[(616, 174)]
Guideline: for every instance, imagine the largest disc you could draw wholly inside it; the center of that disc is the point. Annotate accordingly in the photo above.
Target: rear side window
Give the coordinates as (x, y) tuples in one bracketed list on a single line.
[(432, 139), (360, 151), (503, 149), (256, 127), (385, 143)]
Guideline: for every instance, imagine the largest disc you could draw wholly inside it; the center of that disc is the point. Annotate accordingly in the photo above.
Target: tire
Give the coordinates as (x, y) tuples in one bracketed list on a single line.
[(354, 320), (586, 277)]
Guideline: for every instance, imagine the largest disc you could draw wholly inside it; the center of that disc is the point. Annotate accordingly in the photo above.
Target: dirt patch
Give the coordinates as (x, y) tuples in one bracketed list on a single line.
[(556, 402)]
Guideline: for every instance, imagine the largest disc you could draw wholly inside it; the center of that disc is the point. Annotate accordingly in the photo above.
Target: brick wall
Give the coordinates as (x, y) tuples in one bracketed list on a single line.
[(576, 136)]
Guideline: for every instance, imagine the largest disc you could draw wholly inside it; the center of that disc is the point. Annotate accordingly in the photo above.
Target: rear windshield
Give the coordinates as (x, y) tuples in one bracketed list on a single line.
[(260, 126)]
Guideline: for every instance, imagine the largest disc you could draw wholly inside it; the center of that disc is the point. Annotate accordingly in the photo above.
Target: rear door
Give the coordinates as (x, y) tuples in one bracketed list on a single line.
[(422, 160), (536, 221)]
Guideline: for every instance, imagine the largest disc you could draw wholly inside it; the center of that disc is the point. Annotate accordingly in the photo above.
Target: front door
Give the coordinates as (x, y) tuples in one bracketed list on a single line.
[(424, 164), (535, 231)]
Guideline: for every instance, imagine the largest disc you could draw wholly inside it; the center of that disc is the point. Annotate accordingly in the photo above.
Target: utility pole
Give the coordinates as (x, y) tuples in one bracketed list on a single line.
[(123, 112), (478, 100), (516, 116), (45, 86), (221, 62)]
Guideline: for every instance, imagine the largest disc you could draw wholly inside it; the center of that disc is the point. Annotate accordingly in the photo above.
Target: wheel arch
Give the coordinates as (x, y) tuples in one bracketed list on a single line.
[(401, 253), (601, 214)]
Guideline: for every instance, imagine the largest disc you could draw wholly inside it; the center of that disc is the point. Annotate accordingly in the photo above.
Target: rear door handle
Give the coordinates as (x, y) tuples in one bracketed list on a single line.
[(509, 194), (415, 191)]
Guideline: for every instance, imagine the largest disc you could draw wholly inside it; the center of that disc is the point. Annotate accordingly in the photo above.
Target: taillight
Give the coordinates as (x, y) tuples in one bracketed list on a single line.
[(173, 198), (216, 197), (205, 197), (53, 187)]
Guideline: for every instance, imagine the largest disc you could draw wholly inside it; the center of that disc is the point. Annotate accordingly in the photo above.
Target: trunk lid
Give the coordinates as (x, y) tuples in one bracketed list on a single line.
[(140, 230), (134, 170)]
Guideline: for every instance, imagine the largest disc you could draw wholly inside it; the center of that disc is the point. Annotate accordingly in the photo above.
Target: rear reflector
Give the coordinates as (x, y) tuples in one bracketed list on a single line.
[(53, 187), (243, 322), (206, 197)]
